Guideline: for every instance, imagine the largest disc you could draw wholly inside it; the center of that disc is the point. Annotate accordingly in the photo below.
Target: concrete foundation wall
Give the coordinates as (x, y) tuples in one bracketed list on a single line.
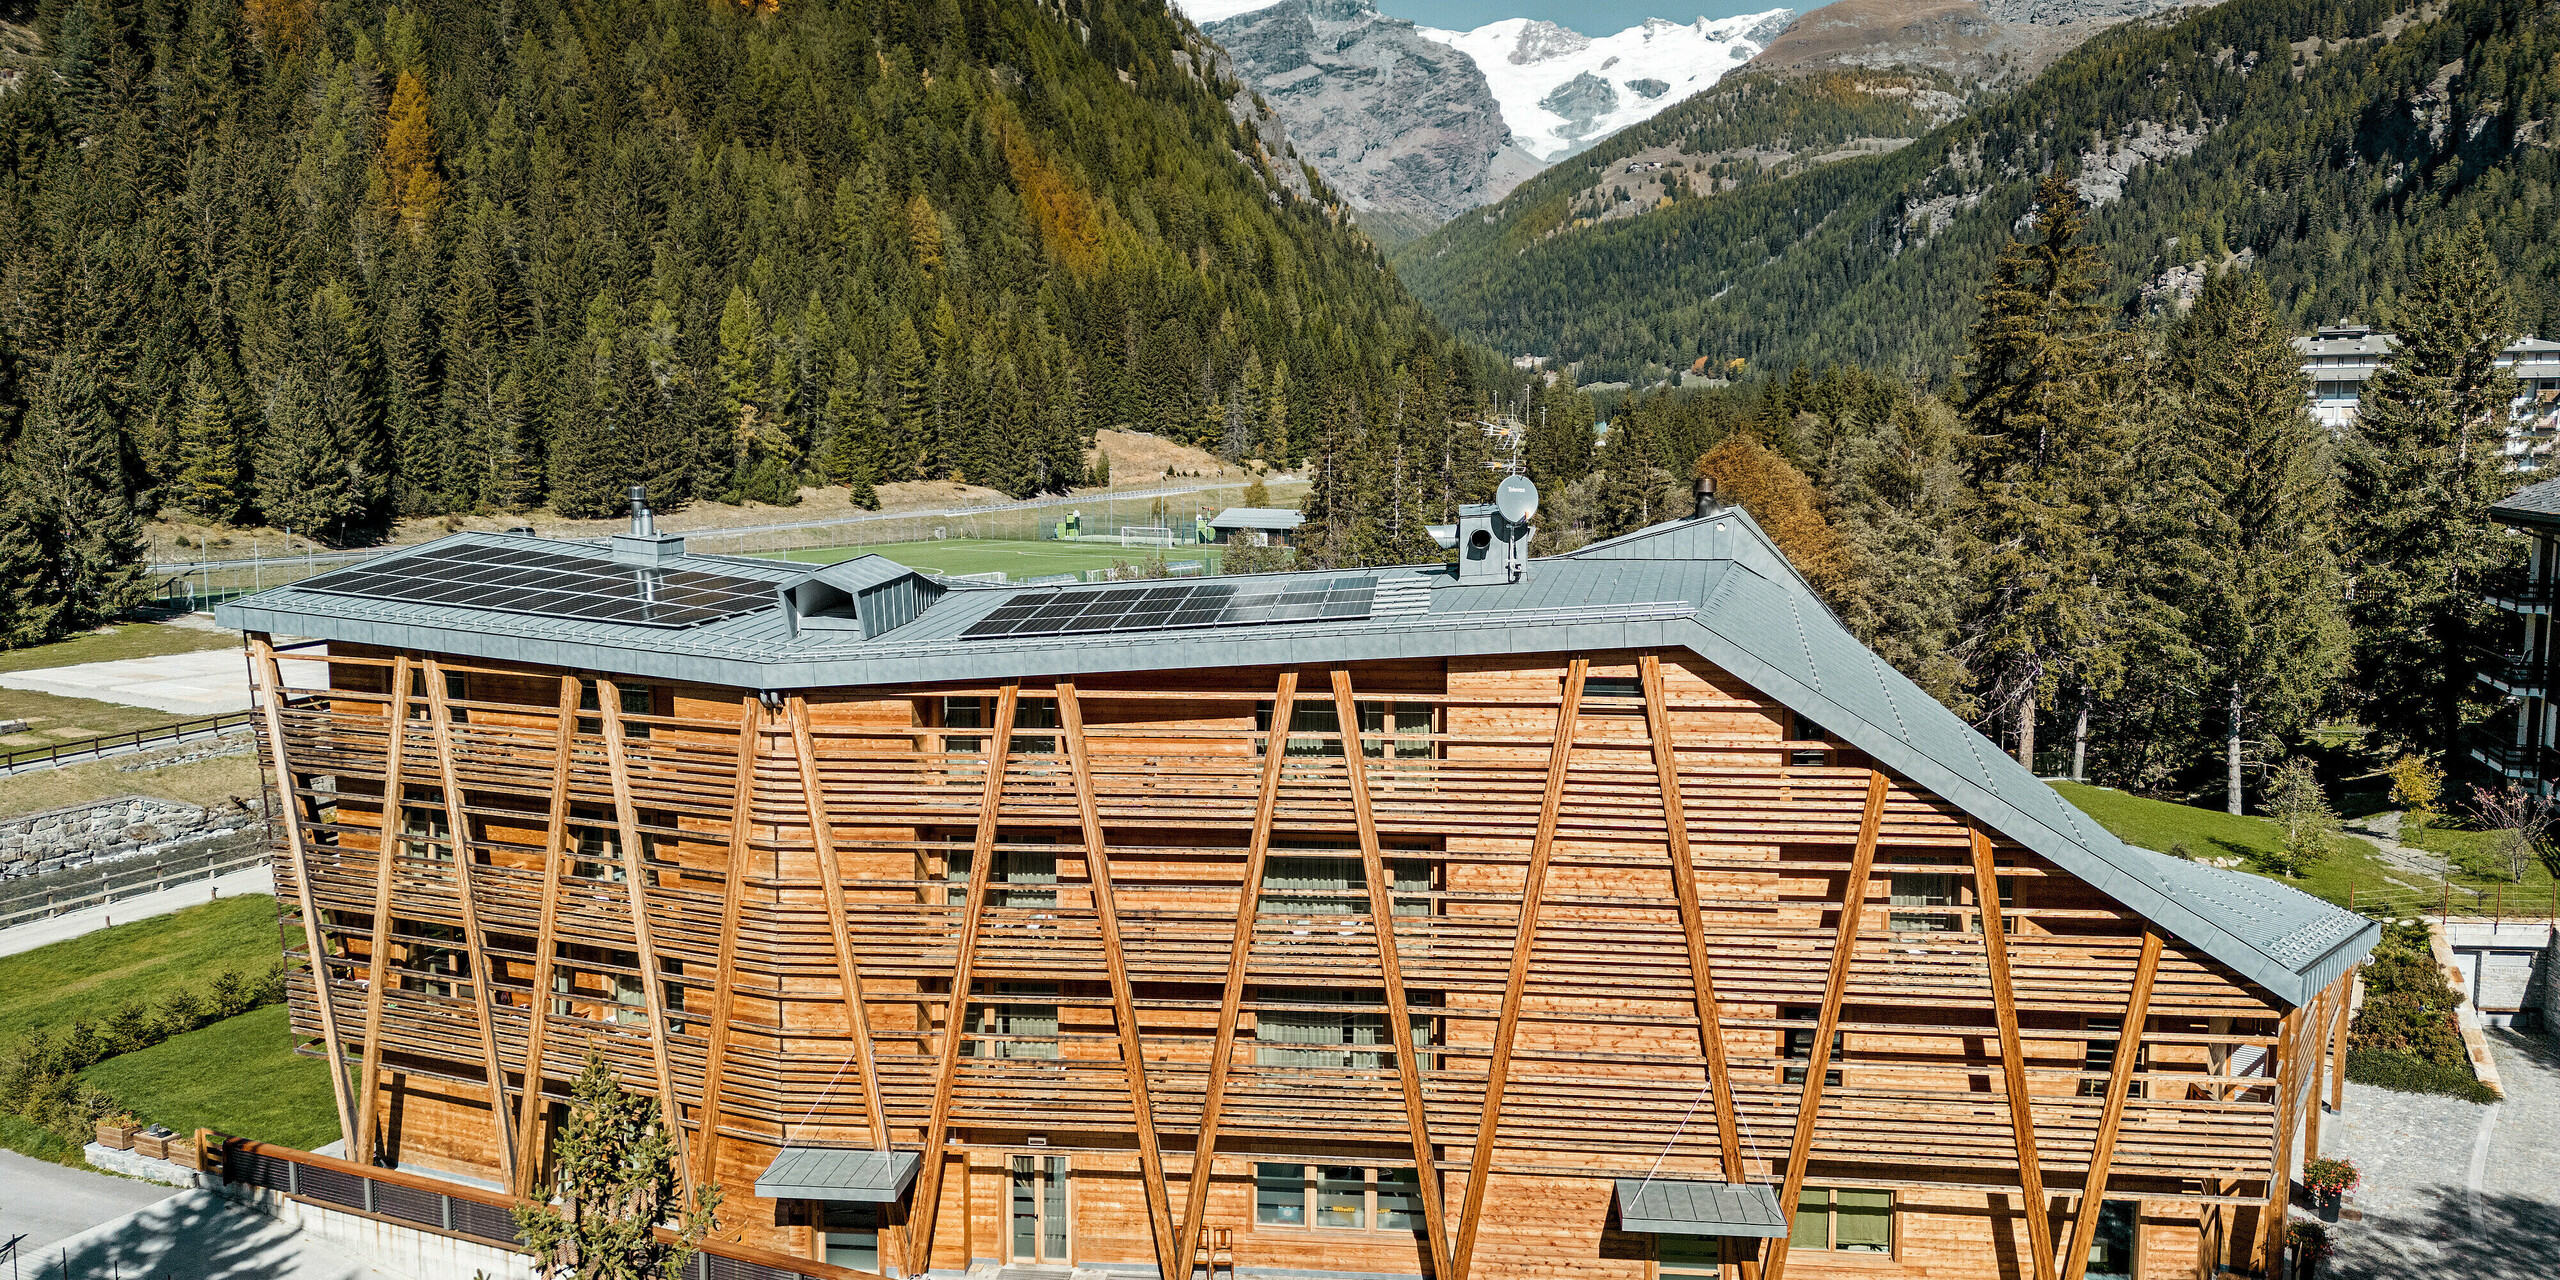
[(399, 1250)]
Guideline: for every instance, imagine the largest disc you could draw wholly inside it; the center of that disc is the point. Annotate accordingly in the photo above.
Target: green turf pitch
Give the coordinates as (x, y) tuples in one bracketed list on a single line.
[(1016, 560)]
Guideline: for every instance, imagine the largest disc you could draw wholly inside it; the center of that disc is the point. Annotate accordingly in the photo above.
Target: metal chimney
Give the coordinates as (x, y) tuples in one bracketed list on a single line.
[(644, 547), (641, 525), (1706, 491)]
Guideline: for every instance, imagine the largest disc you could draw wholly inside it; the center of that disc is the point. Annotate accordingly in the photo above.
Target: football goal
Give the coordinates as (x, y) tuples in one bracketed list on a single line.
[(1146, 535)]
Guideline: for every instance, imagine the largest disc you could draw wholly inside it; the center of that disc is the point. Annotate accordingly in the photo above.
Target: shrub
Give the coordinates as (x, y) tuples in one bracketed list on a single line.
[(2404, 1074), (2408, 1005), (40, 1074)]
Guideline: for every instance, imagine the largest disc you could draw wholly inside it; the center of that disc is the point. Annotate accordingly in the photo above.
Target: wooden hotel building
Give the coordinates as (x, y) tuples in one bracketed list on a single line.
[(1608, 915)]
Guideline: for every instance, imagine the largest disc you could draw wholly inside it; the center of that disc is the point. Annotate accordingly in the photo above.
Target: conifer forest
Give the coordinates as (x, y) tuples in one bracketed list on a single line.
[(329, 265)]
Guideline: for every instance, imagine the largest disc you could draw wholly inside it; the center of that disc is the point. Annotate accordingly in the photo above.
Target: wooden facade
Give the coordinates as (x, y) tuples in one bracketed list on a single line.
[(1108, 952)]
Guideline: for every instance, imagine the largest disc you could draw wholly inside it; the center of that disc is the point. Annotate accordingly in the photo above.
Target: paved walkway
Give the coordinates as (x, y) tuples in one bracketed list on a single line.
[(72, 924), (207, 682), (195, 1235), (47, 1202), (2452, 1188)]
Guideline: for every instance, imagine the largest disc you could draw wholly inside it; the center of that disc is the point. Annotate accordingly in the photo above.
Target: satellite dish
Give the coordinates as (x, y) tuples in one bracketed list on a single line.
[(1516, 498)]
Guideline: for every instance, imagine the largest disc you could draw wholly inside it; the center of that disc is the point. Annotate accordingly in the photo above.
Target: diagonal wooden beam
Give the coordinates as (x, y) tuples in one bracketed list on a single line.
[(2102, 1152), (1373, 865), (270, 680), (2289, 1096), (635, 882), (715, 1060), (546, 941), (1204, 1150), (378, 965), (1124, 1007), (982, 857), (1532, 887), (457, 823), (1844, 947), (2013, 1057), (831, 882)]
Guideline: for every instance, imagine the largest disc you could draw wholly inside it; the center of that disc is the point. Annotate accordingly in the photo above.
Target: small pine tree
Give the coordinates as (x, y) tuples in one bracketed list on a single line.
[(1257, 494), (209, 479), (70, 542), (2299, 806), (616, 1183)]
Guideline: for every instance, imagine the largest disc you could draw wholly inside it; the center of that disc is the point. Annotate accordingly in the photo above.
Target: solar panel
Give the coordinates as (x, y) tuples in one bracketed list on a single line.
[(548, 583), (1192, 604)]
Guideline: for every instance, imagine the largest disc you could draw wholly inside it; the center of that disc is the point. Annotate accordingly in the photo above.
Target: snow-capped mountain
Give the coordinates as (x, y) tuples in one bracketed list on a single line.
[(1561, 90)]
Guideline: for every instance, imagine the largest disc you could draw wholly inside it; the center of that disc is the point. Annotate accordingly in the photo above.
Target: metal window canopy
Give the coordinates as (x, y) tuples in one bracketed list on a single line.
[(1666, 1208), (838, 1174)]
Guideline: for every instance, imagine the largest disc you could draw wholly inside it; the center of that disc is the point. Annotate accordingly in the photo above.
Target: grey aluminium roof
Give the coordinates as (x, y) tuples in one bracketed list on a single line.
[(1714, 585), (836, 1173), (1257, 518), (2533, 504), (1669, 1208)]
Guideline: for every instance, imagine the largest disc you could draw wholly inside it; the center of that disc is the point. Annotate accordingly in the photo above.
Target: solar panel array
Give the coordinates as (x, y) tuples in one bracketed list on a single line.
[(1195, 604), (514, 579)]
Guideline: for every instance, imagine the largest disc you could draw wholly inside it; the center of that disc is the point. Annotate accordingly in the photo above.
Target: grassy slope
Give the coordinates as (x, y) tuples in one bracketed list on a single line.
[(108, 644), (202, 782), (239, 1075), (144, 961), (2209, 833)]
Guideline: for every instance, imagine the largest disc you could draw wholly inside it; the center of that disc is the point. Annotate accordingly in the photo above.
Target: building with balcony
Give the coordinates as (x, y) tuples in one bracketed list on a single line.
[(1614, 914), (2514, 666), (2338, 361)]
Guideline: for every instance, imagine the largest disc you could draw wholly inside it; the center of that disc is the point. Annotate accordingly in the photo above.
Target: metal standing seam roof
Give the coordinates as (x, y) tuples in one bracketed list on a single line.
[(1714, 585), (836, 1173), (1669, 1208), (1257, 518)]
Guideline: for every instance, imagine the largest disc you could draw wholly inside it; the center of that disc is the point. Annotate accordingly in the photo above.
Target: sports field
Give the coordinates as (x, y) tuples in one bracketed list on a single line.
[(1016, 560)]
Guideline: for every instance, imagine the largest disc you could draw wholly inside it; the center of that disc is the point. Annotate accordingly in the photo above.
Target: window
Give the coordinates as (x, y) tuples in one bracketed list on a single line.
[(1690, 1257), (1340, 1197), (1029, 1030), (1405, 725), (853, 1234), (2106, 1040), (425, 831), (595, 845), (2111, 1250), (1027, 877), (583, 985), (1924, 889), (1843, 1220), (633, 700), (1797, 1042), (1807, 757), (2008, 889), (455, 690), (426, 966), (1304, 884), (980, 713), (1344, 1029), (1612, 687)]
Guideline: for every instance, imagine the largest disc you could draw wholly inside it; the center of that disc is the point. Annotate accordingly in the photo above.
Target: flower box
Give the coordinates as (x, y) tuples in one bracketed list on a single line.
[(117, 1134)]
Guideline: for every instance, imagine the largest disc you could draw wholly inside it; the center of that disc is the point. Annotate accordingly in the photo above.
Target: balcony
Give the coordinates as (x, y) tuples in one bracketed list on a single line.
[(2523, 597), (2497, 748), (2516, 675)]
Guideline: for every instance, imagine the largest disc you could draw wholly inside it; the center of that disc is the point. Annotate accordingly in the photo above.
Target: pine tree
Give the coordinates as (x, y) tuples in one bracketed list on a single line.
[(2421, 468), (409, 155), (2041, 404), (2258, 594), (616, 1182), (70, 541), (304, 481), (209, 480), (1896, 496)]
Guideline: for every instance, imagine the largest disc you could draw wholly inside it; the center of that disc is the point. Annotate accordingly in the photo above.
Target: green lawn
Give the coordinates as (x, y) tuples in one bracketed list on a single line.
[(239, 1075), (142, 961), (2479, 868), (131, 640), (1017, 560), (2211, 833), (198, 782)]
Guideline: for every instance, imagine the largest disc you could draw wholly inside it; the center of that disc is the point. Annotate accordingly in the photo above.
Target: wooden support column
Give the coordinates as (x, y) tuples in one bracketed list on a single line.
[(2102, 1151), (546, 940), (2338, 1041), (1684, 888), (2289, 1094), (270, 691), (1124, 1007), (982, 857), (1204, 1149), (636, 876), (1532, 887), (377, 966), (831, 882), (2013, 1057), (2315, 1035), (1844, 946), (1373, 867), (484, 967), (724, 981)]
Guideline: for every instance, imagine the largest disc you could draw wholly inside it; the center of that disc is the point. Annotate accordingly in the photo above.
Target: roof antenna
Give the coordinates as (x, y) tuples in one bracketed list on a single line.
[(641, 524)]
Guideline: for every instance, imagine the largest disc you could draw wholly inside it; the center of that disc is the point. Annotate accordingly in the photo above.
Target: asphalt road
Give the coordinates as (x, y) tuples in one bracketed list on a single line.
[(47, 1202)]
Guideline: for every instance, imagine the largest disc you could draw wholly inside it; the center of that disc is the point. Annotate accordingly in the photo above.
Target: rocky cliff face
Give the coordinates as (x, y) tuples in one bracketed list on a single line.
[(1985, 42), (1403, 127)]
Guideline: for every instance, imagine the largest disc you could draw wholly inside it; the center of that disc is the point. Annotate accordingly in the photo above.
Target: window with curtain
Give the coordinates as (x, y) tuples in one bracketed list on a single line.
[(1690, 1257), (1843, 1220), (1797, 1042), (853, 1235), (1339, 1197), (2008, 889), (1023, 879), (1388, 730), (1030, 1026), (1345, 1029), (1917, 889), (1322, 884)]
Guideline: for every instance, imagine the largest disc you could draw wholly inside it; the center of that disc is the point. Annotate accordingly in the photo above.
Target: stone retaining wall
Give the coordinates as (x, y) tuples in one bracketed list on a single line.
[(106, 830)]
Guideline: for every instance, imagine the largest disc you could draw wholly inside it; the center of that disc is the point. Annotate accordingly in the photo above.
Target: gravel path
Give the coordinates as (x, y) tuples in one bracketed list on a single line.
[(2452, 1188)]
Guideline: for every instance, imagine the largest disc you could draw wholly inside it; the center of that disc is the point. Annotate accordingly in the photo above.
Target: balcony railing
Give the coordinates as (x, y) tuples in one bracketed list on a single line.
[(2496, 748), (2523, 597), (2517, 675)]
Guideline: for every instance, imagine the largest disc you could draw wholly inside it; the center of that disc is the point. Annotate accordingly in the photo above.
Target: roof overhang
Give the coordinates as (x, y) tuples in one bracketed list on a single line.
[(1666, 1208), (839, 1174)]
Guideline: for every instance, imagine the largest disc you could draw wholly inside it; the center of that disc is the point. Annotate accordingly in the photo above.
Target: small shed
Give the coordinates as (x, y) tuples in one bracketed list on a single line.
[(1257, 526)]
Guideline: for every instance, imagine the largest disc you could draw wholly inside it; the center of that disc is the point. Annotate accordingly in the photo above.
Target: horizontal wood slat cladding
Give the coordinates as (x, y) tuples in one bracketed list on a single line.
[(1005, 923)]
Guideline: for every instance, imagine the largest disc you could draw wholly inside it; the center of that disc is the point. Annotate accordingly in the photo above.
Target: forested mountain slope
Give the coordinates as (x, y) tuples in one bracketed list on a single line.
[(2319, 137), (318, 261)]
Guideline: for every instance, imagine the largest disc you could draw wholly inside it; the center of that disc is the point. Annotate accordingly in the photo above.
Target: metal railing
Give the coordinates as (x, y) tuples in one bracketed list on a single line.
[(118, 743), (462, 1212), (56, 895), (2499, 751), (2446, 900)]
